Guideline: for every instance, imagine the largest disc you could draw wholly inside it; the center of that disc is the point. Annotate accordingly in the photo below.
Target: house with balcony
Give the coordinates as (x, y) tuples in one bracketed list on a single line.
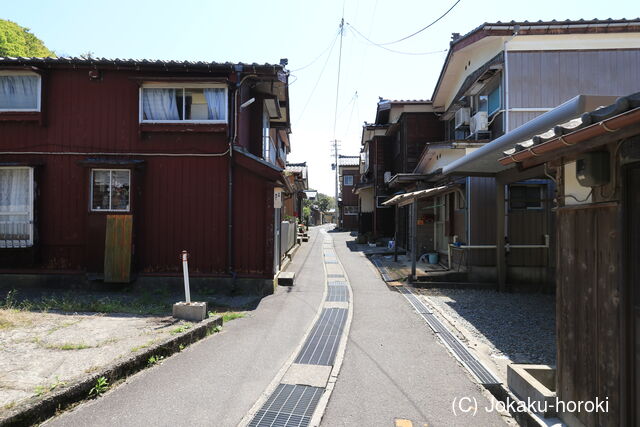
[(390, 149), (110, 168), (501, 82)]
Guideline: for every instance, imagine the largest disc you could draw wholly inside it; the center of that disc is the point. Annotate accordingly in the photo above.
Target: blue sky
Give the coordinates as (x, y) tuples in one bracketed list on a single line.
[(265, 31)]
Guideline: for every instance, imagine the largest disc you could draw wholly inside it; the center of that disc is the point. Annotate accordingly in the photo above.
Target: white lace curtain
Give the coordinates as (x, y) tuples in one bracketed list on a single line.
[(19, 92), (14, 190), (215, 103), (160, 104), (15, 209)]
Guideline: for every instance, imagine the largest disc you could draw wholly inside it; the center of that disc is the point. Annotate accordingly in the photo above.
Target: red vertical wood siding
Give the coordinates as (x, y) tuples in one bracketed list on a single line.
[(178, 202)]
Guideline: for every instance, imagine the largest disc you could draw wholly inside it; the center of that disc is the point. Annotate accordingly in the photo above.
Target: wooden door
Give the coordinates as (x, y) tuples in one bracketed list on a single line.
[(632, 186)]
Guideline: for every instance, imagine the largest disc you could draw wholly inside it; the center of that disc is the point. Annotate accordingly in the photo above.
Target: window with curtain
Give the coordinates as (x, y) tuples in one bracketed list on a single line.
[(348, 179), (16, 207), (19, 92), (200, 104), (110, 190)]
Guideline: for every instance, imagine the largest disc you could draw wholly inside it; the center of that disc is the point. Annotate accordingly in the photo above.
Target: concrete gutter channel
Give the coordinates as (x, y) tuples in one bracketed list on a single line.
[(498, 389), (38, 409), (319, 376)]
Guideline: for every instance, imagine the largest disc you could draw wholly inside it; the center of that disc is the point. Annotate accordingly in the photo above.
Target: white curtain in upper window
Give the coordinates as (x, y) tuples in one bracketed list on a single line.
[(159, 104), (216, 103), (19, 92)]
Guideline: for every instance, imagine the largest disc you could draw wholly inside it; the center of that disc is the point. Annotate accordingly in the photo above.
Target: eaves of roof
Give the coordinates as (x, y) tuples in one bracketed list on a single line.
[(166, 65), (612, 119), (568, 26)]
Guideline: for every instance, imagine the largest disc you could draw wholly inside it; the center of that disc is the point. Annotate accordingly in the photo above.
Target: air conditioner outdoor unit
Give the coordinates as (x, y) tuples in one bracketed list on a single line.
[(479, 122), (462, 117), (387, 177)]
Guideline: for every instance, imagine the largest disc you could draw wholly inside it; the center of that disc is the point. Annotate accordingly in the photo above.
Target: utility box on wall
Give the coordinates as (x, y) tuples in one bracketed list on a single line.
[(592, 169)]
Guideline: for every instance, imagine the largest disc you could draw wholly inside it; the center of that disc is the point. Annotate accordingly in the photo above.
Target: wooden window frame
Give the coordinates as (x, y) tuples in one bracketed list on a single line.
[(91, 208)]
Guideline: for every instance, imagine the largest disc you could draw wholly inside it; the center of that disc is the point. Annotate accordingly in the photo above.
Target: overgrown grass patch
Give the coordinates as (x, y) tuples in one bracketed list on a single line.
[(144, 304), (228, 316), (68, 346)]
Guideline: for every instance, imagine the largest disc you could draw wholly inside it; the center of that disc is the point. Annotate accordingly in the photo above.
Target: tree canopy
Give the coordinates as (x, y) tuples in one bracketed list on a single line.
[(18, 41), (323, 202)]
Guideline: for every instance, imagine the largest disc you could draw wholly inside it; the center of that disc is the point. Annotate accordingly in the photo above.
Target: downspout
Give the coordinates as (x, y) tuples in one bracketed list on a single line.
[(232, 141)]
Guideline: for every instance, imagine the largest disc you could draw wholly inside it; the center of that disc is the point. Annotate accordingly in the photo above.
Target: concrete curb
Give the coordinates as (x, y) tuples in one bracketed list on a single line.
[(38, 409)]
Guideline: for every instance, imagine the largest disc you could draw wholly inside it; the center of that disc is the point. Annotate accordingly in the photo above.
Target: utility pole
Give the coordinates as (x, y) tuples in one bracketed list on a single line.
[(335, 156)]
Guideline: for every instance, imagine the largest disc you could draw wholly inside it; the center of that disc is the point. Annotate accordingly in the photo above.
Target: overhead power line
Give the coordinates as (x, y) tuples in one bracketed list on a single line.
[(422, 29), (321, 54), (359, 34), (318, 80)]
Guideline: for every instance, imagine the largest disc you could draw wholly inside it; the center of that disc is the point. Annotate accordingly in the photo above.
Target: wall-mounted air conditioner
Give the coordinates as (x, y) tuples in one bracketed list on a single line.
[(387, 177), (462, 117), (479, 122)]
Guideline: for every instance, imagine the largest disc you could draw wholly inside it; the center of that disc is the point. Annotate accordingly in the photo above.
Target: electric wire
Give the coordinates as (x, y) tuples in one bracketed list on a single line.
[(358, 33), (422, 29), (318, 80), (321, 55)]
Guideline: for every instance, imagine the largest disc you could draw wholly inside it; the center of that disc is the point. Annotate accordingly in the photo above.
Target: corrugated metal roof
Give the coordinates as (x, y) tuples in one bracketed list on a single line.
[(129, 62), (622, 105)]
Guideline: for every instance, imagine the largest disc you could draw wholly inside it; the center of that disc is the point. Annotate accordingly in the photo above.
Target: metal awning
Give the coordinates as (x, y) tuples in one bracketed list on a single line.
[(406, 198)]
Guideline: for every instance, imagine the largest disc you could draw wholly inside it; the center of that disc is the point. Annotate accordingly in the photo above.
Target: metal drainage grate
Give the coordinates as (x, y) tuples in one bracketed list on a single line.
[(338, 294), (337, 283), (383, 270), (335, 276), (289, 405), (326, 261), (322, 344), (483, 375)]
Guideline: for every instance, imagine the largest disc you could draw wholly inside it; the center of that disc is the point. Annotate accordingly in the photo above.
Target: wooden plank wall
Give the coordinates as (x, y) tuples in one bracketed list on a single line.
[(117, 249), (588, 303)]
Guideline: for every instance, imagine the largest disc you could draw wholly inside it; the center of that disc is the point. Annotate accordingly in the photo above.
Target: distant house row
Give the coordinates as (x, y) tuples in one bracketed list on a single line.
[(513, 173), (110, 168)]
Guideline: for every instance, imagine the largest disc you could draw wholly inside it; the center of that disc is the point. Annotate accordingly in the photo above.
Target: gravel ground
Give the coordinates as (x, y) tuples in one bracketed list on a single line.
[(520, 327)]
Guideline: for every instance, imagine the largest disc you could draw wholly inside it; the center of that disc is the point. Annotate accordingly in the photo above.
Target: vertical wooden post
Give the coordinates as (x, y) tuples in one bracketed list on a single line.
[(501, 262), (395, 236), (414, 237)]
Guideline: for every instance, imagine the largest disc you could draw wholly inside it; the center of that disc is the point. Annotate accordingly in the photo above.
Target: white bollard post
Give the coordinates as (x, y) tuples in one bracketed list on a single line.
[(185, 273)]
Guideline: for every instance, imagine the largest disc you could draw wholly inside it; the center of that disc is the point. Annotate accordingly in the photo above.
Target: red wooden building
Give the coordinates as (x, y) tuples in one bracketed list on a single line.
[(165, 155), (349, 177)]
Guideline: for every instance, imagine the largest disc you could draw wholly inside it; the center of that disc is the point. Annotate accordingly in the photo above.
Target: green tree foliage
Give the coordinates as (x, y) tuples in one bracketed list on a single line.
[(322, 201), (18, 41)]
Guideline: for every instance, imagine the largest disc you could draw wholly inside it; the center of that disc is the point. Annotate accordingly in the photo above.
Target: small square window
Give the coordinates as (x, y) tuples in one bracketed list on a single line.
[(110, 190), (19, 91), (525, 197), (347, 180)]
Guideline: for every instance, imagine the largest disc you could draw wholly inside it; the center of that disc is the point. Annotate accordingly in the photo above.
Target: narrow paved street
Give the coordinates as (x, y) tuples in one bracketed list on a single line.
[(394, 368)]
